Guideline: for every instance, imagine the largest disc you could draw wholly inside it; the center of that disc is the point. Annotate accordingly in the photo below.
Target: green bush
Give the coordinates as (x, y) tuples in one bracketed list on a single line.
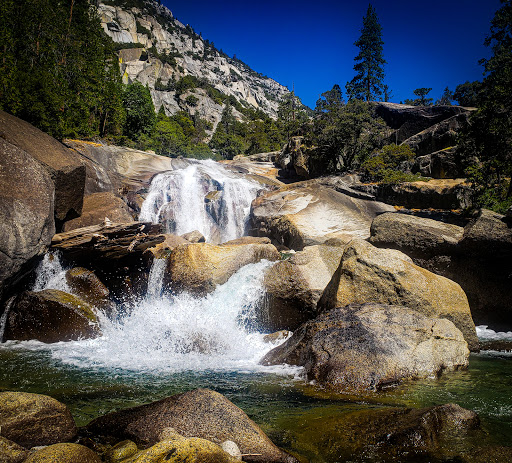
[(142, 30)]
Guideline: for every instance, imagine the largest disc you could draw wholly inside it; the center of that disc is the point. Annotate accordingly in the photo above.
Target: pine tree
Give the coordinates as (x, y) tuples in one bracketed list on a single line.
[(368, 83)]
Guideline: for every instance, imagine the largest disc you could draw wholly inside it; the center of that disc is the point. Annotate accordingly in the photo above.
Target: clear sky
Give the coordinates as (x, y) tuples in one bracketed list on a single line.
[(310, 44)]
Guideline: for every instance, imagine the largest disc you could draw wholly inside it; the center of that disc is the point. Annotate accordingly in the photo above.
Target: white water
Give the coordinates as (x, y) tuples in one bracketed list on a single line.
[(177, 199), (169, 334), (486, 334), (50, 274)]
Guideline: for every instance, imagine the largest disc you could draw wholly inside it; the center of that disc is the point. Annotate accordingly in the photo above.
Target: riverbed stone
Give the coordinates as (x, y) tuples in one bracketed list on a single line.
[(97, 208), (200, 413), (65, 170), (64, 453), (10, 452), (50, 316), (199, 267), (391, 434), (33, 419), (388, 276), (194, 237), (369, 346), (26, 219), (294, 286)]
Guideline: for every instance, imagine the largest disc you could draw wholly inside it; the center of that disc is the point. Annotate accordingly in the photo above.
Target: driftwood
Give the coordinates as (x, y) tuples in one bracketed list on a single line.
[(109, 240)]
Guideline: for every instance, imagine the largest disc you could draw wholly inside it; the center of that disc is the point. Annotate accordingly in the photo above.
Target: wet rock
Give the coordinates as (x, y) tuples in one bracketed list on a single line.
[(391, 434), (50, 316), (194, 237), (200, 413), (200, 267), (277, 336), (294, 286), (387, 276), (64, 453), (26, 219), (88, 287), (248, 240), (97, 207), (33, 419), (369, 346), (163, 249), (495, 454), (121, 451), (309, 213), (10, 452), (66, 172)]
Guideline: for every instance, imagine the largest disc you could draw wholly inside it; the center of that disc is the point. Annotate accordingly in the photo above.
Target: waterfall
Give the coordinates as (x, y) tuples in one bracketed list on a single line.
[(50, 274), (163, 333), (156, 277), (204, 196)]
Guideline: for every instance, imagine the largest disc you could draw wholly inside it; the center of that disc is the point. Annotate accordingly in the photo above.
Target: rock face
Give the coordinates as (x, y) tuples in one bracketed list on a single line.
[(86, 285), (309, 213), (26, 219), (394, 434), (66, 172), (97, 207), (369, 346), (386, 276), (190, 55), (200, 413), (33, 419), (440, 164), (200, 267), (50, 316), (294, 286), (477, 257), (64, 453)]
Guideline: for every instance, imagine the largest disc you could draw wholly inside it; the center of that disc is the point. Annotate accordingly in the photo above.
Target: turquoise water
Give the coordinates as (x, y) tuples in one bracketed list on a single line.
[(289, 410)]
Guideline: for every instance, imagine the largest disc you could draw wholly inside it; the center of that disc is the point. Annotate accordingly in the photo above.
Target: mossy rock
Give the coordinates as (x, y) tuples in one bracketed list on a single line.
[(121, 451), (34, 419), (10, 452), (51, 316), (64, 453)]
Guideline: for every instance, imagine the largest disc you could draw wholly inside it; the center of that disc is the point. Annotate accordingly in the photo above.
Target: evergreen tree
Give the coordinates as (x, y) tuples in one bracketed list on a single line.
[(489, 134), (140, 111), (422, 93), (446, 97), (368, 83), (291, 115), (466, 94)]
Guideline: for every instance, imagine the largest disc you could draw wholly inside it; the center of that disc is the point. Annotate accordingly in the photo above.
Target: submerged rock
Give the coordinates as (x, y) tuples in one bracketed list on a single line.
[(33, 419), (294, 286), (97, 207), (387, 276), (369, 346), (391, 435), (200, 267), (200, 413), (64, 453), (50, 316)]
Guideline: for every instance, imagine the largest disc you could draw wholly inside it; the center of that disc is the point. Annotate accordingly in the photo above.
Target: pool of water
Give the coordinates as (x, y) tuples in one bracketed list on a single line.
[(293, 413)]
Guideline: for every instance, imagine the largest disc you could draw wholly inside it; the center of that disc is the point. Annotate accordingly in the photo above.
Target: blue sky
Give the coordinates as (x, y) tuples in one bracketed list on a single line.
[(310, 44)]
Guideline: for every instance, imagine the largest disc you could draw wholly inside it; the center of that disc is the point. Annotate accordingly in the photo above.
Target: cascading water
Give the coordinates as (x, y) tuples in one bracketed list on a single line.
[(204, 196), (50, 274)]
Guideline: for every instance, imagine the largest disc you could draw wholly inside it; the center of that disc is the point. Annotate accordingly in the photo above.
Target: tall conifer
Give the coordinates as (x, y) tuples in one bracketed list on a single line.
[(368, 83)]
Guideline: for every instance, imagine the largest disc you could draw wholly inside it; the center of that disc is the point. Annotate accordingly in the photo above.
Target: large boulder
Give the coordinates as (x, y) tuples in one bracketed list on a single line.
[(198, 268), (309, 213), (387, 276), (444, 163), (26, 219), (50, 316), (34, 419), (294, 286), (98, 207), (64, 453), (477, 257), (369, 346), (200, 413), (66, 171), (391, 434)]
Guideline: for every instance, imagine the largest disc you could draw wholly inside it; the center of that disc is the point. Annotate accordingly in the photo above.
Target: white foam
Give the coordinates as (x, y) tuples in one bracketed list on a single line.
[(486, 334), (50, 274)]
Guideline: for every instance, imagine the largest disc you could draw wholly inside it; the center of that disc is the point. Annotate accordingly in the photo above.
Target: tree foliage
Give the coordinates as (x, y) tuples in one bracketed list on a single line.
[(486, 143), (466, 94), (422, 94), (58, 70), (368, 82)]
